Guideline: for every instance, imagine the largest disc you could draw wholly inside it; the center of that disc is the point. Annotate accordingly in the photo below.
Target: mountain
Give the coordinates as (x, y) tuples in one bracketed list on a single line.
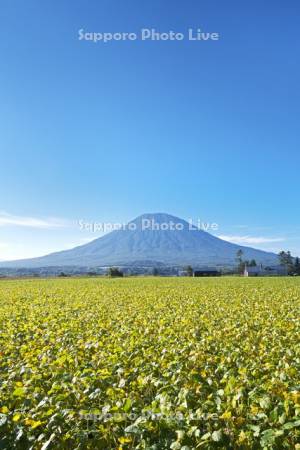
[(150, 239)]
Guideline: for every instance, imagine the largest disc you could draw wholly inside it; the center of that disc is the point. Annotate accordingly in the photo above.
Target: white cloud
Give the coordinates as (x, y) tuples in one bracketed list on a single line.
[(7, 219), (11, 250), (250, 240), (3, 248)]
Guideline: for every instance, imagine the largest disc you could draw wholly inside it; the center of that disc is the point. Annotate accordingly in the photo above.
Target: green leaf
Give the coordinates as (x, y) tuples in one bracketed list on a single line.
[(19, 392), (127, 405), (3, 419), (290, 425), (268, 437), (47, 443), (217, 436)]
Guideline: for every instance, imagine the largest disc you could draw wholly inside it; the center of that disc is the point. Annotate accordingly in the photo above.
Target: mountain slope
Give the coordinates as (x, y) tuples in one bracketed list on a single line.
[(168, 246)]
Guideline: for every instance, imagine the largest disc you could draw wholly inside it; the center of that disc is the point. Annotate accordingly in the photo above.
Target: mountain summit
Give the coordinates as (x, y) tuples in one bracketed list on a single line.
[(152, 238)]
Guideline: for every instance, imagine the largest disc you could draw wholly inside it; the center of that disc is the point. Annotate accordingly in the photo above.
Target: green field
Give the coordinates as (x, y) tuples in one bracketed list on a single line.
[(157, 363)]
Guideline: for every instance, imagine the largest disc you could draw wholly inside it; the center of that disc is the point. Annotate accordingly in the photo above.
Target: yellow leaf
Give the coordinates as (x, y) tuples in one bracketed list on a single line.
[(124, 440), (254, 409), (16, 417), (242, 437), (28, 421), (295, 396), (226, 415), (36, 424)]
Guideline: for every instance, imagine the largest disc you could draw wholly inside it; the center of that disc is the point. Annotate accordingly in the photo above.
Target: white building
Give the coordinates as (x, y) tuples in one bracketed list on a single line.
[(260, 271)]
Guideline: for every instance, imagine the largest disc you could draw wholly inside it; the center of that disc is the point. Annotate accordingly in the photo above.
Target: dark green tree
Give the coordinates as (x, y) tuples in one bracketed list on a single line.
[(240, 262), (286, 260), (114, 272), (297, 266), (189, 270)]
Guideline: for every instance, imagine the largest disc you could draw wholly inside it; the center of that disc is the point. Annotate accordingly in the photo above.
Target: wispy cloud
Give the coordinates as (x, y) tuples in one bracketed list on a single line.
[(250, 240), (253, 228), (7, 219)]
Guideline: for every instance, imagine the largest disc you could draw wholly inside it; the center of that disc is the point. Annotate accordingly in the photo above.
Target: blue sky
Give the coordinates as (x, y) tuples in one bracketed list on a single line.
[(105, 132)]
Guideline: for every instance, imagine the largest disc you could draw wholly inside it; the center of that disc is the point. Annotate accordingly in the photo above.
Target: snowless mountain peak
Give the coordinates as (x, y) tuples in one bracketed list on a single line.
[(157, 237)]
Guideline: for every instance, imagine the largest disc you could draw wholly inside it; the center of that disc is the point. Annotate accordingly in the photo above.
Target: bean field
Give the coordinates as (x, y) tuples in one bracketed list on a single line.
[(150, 363)]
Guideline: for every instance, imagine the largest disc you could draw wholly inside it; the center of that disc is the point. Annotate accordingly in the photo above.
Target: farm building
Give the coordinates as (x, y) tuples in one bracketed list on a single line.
[(183, 273), (259, 271), (206, 273)]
